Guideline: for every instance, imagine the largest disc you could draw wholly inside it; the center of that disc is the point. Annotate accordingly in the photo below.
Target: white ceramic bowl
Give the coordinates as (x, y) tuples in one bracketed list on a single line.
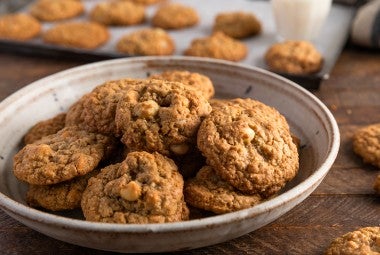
[(309, 119)]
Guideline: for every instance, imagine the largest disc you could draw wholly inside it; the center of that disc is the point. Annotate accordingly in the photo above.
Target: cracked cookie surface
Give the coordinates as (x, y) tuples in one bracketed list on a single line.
[(366, 143)]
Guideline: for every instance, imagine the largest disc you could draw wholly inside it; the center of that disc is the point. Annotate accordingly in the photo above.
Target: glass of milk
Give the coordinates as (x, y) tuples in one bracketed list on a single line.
[(299, 19)]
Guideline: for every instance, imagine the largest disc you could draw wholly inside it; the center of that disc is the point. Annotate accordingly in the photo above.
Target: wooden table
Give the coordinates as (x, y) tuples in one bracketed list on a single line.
[(343, 202)]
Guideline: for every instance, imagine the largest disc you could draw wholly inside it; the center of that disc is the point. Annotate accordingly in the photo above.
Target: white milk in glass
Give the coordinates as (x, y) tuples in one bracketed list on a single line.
[(300, 19)]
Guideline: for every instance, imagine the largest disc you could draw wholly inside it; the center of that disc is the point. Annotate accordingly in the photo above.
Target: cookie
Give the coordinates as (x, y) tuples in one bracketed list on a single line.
[(219, 46), (62, 196), (209, 192), (376, 185), (161, 116), (119, 13), (146, 42), (175, 16), (195, 80), (144, 188), (145, 2), (19, 27), (363, 241), (366, 144), (294, 57), (60, 157), (45, 128), (85, 35), (249, 145), (237, 24), (53, 10)]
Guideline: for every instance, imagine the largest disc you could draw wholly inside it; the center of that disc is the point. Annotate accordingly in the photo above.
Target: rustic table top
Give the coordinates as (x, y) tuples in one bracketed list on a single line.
[(343, 202)]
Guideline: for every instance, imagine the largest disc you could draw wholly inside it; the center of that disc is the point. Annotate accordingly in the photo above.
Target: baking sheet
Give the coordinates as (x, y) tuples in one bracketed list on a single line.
[(330, 41)]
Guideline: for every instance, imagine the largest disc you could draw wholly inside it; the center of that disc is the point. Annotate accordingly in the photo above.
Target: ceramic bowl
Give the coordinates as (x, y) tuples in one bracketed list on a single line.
[(308, 118)]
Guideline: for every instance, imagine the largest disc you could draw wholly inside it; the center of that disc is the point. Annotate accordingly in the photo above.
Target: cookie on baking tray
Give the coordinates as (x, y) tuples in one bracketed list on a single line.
[(294, 57), (237, 24), (219, 46), (363, 241), (209, 192), (366, 143), (85, 35), (119, 13), (175, 16), (249, 145), (19, 27), (195, 80), (161, 116), (53, 10), (62, 156), (144, 188), (146, 2), (146, 42)]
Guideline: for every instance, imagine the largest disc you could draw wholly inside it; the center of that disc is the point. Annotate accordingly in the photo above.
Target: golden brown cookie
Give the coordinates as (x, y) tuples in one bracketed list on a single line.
[(209, 192), (145, 2), (294, 57), (53, 10), (60, 157), (218, 46), (364, 241), (144, 188), (195, 80), (120, 13), (175, 16), (85, 35), (376, 184), (237, 24), (161, 116), (146, 42), (45, 128), (366, 143), (249, 145), (62, 196), (19, 27)]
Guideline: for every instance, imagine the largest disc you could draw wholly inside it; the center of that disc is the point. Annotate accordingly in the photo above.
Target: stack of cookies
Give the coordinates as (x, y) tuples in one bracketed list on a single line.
[(147, 150)]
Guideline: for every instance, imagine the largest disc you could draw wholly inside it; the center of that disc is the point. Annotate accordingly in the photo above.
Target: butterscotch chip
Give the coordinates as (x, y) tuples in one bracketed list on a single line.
[(366, 143), (195, 80), (161, 116), (249, 145), (218, 46), (19, 27), (45, 128), (52, 10), (363, 241), (237, 24), (86, 35), (376, 185), (122, 13), (60, 157), (144, 188), (209, 192), (146, 42), (294, 57), (175, 16)]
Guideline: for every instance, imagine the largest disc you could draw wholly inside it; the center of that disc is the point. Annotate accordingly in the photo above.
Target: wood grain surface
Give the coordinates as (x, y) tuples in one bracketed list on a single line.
[(343, 202)]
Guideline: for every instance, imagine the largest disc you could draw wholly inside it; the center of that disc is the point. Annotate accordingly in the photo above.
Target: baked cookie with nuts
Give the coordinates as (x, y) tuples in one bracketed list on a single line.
[(53, 10), (366, 144), (294, 57), (161, 116), (147, 42), (249, 145), (219, 46), (144, 188), (175, 16), (209, 192), (84, 35), (19, 27), (119, 13), (195, 80), (69, 153), (237, 24), (363, 241)]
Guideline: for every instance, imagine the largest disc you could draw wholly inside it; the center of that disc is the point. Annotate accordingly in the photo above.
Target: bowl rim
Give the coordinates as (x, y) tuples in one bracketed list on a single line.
[(11, 206)]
